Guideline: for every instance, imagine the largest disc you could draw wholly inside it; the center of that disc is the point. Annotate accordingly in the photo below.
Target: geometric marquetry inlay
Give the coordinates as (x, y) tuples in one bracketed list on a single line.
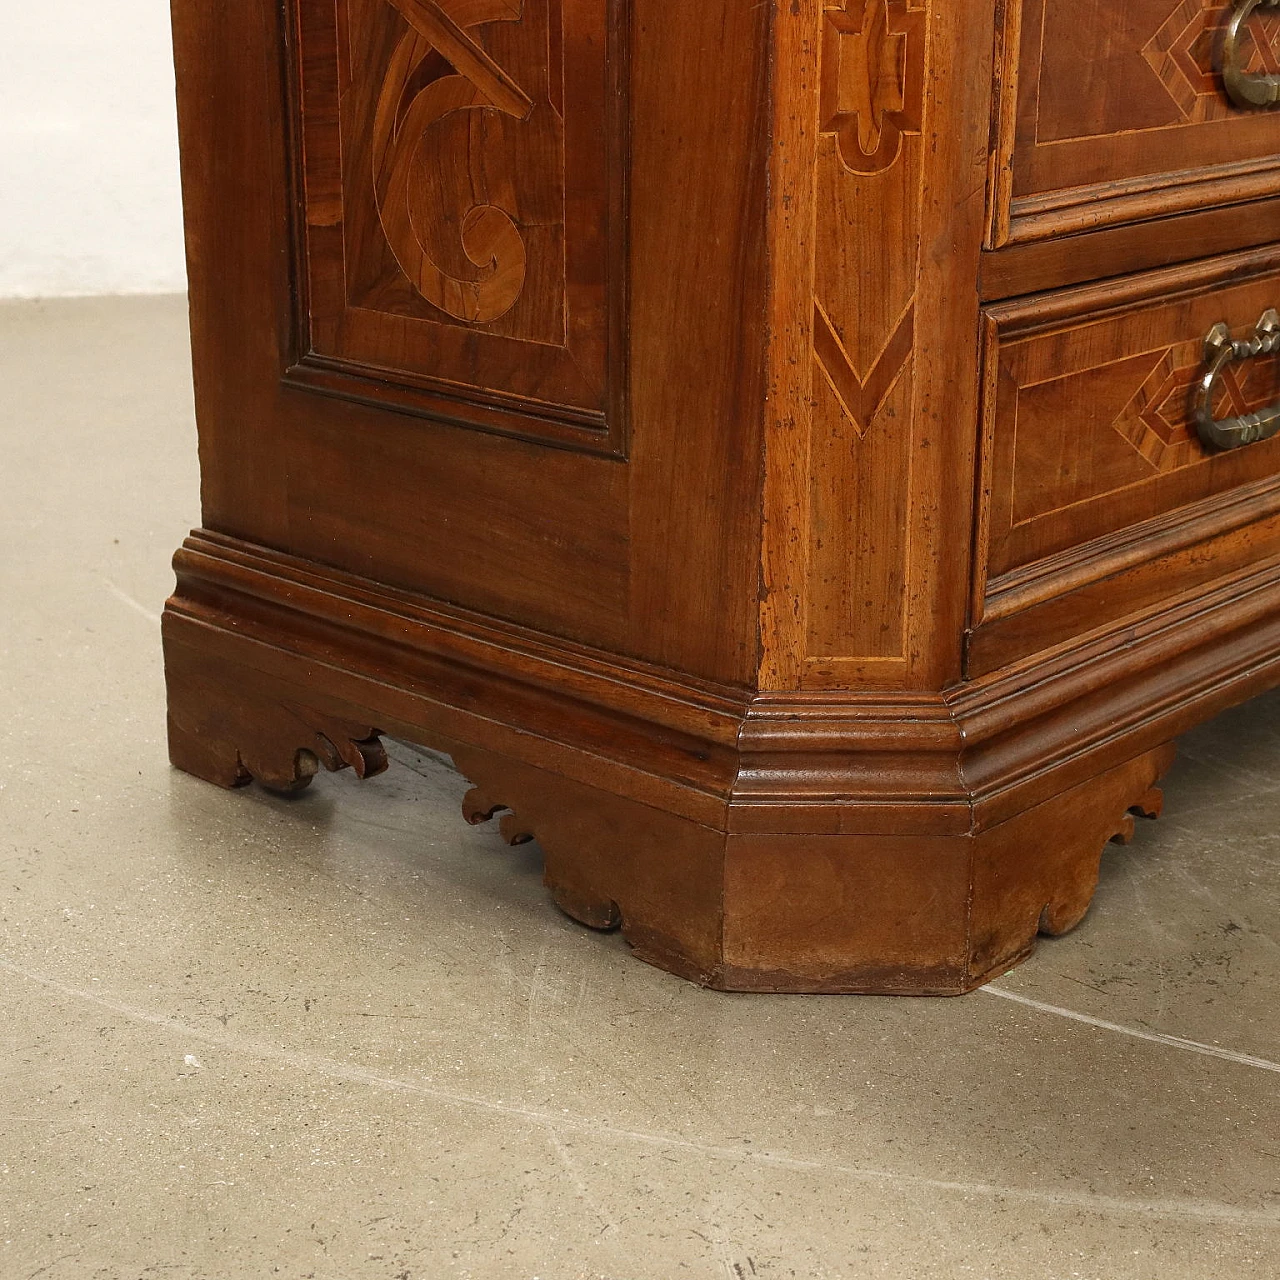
[(1184, 54), (862, 395), (1159, 420)]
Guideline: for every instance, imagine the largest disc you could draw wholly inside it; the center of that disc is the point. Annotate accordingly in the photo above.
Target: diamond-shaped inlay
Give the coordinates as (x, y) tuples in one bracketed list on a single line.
[(1184, 54), (1159, 421)]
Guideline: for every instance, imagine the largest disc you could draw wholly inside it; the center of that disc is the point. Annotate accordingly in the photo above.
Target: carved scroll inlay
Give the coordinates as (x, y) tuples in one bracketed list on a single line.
[(872, 79), (448, 216), (1184, 54)]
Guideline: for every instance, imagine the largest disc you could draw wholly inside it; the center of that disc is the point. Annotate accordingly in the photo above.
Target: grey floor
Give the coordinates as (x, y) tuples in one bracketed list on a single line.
[(348, 1037)]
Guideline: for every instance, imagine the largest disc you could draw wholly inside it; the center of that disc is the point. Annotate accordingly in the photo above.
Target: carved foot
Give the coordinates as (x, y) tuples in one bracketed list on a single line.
[(587, 908), (1076, 892), (1151, 805), (1064, 914), (595, 913), (228, 726), (478, 809)]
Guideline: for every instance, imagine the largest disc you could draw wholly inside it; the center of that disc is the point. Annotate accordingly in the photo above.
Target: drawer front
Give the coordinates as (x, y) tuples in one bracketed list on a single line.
[(1092, 462), (1118, 112)]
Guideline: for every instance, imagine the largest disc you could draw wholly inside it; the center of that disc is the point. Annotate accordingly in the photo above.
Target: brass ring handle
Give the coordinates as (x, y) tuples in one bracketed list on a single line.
[(1220, 350), (1243, 88)]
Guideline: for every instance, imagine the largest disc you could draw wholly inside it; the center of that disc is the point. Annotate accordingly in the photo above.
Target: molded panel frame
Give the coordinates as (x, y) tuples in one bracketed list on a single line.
[(570, 393)]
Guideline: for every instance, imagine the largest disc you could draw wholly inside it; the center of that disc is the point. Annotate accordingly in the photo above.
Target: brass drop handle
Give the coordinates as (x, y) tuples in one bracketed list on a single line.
[(1243, 88), (1220, 350)]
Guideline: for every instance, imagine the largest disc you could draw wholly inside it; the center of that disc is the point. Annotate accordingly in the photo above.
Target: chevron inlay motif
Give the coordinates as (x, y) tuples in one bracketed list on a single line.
[(862, 398)]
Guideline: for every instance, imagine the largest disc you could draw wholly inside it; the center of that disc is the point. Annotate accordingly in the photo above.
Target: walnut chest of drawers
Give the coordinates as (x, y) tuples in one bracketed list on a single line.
[(805, 460)]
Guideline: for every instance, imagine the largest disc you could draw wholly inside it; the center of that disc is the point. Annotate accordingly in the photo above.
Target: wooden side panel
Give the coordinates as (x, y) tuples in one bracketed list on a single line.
[(399, 498), (535, 534), (231, 116), (489, 449), (699, 163), (876, 261)]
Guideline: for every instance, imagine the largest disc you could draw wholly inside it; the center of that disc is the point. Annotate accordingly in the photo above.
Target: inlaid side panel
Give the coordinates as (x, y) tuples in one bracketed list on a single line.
[(881, 125), (461, 252), (1117, 112), (866, 246)]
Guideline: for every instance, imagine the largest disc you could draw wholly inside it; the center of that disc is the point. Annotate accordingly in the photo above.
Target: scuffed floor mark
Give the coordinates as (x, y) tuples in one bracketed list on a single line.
[(1155, 1037), (126, 599), (607, 1222), (1181, 1209)]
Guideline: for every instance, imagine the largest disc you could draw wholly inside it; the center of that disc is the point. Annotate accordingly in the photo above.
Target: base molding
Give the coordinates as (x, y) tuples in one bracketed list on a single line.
[(882, 842)]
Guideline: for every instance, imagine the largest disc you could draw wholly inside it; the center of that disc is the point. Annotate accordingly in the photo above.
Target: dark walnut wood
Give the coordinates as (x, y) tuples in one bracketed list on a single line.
[(755, 441)]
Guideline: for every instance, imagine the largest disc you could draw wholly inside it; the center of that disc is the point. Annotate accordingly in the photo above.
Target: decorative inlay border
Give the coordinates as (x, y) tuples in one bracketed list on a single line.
[(869, 168), (461, 236)]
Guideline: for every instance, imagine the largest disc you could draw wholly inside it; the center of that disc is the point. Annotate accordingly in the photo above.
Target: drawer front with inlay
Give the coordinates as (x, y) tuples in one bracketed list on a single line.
[(1118, 437), (1116, 113)]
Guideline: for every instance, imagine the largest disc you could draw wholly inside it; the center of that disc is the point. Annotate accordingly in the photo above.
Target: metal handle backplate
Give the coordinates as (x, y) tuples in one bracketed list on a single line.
[(1220, 350), (1244, 88)]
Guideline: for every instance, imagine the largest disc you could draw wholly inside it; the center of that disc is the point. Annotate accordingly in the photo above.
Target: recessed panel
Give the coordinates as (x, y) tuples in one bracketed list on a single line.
[(462, 174)]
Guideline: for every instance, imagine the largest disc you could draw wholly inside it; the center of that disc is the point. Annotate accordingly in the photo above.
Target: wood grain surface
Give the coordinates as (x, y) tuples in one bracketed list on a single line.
[(755, 440)]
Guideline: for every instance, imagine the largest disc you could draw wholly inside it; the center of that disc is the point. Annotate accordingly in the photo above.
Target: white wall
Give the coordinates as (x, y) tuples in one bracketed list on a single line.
[(89, 199)]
